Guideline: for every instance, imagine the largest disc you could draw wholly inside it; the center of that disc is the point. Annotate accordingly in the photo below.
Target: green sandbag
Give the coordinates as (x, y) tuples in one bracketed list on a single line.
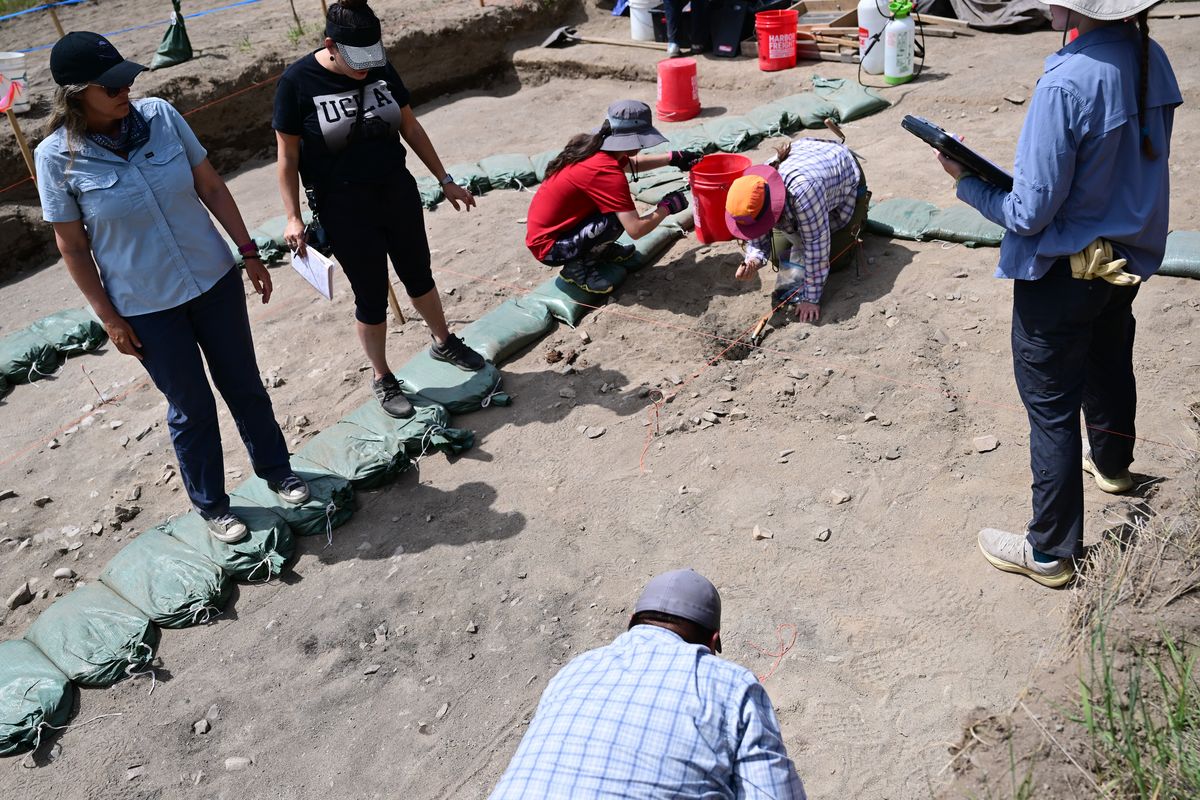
[(851, 100), (507, 328), (346, 450), (1182, 259), (541, 161), (458, 390), (734, 134), (805, 110), (901, 217), (566, 302), (961, 223), (471, 177), (330, 502), (694, 138), (655, 177), (426, 431), (431, 191), (654, 195), (94, 636), (258, 557), (32, 691), (509, 171), (170, 582), (27, 356), (5, 386), (175, 47), (75, 330), (771, 119)]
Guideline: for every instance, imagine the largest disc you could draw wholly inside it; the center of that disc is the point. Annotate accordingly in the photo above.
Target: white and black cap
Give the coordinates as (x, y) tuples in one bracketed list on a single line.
[(360, 44)]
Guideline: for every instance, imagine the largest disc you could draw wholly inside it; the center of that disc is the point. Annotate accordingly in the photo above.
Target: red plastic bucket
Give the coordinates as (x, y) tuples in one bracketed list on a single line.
[(776, 39), (710, 180), (678, 89)]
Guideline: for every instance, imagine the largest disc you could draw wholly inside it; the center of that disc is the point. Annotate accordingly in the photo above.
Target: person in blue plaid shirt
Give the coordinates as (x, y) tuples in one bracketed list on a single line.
[(655, 714), (803, 217)]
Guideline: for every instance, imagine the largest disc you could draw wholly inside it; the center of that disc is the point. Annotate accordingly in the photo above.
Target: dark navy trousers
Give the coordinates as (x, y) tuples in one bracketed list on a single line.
[(1072, 343), (216, 325)]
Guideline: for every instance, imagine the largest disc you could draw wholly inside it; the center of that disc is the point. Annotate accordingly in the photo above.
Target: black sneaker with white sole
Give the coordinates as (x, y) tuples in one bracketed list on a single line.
[(391, 398), (586, 277), (292, 489), (455, 351)]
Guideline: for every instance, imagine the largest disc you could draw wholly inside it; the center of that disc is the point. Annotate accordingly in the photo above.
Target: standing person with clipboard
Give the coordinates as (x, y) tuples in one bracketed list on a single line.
[(340, 115), (1086, 222)]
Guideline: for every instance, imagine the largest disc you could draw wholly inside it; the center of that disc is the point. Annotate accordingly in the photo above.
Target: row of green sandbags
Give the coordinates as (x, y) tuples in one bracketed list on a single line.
[(37, 351), (831, 98), (177, 575)]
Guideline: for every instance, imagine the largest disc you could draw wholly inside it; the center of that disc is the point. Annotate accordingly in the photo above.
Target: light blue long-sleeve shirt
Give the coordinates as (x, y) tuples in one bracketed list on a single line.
[(153, 240), (1079, 172), (651, 716)]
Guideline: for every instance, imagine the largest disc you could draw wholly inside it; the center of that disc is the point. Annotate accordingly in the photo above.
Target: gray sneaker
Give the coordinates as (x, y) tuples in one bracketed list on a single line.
[(1012, 552), (291, 489), (455, 351), (227, 528), (394, 403)]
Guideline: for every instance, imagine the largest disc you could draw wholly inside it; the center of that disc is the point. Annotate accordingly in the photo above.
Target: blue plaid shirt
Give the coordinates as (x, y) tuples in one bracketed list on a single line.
[(651, 716), (822, 188)]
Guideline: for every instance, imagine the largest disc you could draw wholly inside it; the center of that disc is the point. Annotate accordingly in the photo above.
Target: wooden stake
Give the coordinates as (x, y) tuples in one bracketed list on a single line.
[(324, 9), (57, 25), (395, 303), (24, 145)]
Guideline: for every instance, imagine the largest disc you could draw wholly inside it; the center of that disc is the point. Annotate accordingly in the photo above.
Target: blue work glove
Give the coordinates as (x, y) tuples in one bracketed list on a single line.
[(674, 202), (684, 159)]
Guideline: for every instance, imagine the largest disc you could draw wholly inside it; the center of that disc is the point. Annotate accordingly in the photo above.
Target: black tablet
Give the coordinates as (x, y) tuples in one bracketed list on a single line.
[(950, 147)]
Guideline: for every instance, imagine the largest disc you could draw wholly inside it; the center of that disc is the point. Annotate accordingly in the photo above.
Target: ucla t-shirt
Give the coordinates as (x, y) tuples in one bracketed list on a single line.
[(322, 108)]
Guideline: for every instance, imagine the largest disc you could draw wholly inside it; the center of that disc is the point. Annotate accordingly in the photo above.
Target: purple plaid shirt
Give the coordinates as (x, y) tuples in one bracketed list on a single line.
[(822, 187)]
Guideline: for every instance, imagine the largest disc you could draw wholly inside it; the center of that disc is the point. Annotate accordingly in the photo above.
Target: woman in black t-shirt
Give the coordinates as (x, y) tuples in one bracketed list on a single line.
[(340, 114)]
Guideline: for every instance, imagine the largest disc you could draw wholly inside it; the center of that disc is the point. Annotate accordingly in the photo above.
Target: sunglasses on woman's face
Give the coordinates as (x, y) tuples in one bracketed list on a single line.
[(115, 93)]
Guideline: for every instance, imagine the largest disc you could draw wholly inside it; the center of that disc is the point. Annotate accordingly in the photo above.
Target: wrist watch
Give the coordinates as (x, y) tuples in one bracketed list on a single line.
[(447, 180)]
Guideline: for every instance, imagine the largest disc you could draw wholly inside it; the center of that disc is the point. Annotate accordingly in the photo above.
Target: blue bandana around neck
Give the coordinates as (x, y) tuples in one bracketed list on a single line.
[(134, 133)]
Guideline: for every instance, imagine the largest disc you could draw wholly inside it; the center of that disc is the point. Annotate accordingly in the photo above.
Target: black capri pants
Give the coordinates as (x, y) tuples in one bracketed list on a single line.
[(366, 223)]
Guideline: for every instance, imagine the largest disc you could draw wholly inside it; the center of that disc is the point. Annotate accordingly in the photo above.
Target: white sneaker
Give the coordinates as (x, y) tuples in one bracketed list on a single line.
[(227, 528), (1115, 485), (673, 50), (1012, 552)]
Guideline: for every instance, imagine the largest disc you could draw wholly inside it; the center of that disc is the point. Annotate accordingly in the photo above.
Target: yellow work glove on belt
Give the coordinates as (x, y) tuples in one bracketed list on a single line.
[(1096, 261)]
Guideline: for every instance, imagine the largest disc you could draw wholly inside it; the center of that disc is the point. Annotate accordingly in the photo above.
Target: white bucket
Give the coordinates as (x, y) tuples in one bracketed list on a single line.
[(641, 23), (12, 68)]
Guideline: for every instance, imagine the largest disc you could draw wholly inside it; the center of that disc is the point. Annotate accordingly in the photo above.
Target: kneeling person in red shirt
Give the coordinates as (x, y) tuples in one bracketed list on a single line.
[(585, 204)]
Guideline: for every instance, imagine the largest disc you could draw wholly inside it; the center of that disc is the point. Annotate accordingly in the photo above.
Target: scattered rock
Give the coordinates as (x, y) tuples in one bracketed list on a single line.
[(595, 431), (144, 432), (52, 444), (567, 392), (709, 416), (136, 771), (64, 573), (116, 423), (201, 726), (1015, 99), (823, 535), (97, 528), (940, 337), (962, 273), (827, 372), (443, 711), (20, 597), (583, 336), (214, 713), (950, 407), (472, 627), (553, 356), (738, 413), (786, 453), (675, 379), (869, 416), (758, 534), (43, 501), (893, 454), (237, 763), (985, 444), (134, 494), (5, 494), (371, 669), (840, 496)]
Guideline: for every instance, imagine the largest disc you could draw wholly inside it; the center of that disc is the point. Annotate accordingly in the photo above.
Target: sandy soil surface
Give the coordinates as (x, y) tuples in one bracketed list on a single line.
[(542, 537)]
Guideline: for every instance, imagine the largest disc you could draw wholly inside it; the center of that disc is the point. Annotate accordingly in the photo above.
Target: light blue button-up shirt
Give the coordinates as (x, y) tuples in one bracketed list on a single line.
[(651, 716), (1079, 172), (152, 238)]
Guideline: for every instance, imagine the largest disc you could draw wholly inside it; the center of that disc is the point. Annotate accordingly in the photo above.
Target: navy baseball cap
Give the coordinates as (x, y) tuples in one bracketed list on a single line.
[(84, 57)]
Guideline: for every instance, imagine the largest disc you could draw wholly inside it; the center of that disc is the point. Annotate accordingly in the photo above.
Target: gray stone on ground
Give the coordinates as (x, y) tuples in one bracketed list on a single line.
[(985, 444)]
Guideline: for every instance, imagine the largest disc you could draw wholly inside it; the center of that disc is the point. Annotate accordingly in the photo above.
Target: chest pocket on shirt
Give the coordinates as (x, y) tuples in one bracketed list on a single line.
[(103, 196), (168, 171)]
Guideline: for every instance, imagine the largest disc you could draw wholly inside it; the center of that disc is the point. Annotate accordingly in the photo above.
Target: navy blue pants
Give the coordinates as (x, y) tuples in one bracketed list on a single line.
[(699, 35), (216, 324), (1072, 343)]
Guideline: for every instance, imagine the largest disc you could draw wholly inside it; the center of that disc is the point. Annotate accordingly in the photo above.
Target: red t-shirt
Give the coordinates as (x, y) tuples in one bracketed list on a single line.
[(571, 195)]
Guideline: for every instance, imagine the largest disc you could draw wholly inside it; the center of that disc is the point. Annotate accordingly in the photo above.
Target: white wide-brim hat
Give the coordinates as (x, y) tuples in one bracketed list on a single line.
[(1105, 9)]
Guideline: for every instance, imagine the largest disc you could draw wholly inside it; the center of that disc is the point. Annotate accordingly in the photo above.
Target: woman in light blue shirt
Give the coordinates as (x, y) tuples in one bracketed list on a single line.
[(1086, 222), (129, 189)]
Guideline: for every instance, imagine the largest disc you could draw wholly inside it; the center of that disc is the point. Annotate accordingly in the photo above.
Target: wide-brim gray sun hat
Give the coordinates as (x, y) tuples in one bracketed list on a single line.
[(683, 593), (632, 127), (1107, 10)]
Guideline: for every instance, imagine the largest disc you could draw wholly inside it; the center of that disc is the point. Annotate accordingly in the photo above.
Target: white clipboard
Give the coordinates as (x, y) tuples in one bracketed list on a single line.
[(316, 269)]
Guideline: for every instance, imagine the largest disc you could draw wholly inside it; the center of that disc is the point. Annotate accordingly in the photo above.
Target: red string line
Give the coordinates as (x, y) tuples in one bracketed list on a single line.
[(785, 647)]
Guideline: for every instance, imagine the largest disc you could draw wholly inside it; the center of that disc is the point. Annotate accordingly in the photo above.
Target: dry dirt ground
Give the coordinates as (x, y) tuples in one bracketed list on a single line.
[(542, 537)]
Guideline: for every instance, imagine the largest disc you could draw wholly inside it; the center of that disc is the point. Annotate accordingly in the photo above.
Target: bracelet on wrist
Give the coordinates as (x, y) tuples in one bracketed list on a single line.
[(248, 249)]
